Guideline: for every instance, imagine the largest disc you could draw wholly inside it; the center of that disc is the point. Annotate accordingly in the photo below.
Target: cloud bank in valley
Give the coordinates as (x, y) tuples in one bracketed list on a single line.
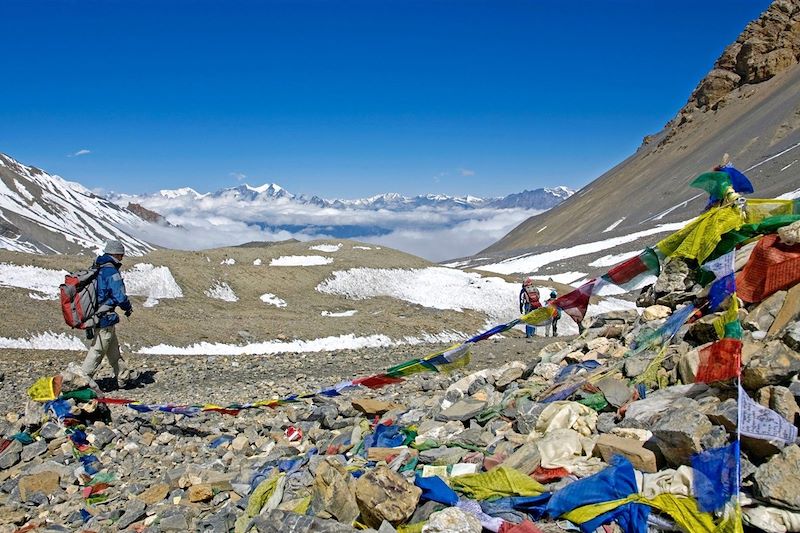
[(433, 232)]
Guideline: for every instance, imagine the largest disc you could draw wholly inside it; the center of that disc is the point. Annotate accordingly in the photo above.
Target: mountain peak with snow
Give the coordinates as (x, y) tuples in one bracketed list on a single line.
[(43, 213)]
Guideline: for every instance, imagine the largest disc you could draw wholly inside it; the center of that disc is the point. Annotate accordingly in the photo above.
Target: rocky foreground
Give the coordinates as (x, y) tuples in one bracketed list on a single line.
[(367, 458)]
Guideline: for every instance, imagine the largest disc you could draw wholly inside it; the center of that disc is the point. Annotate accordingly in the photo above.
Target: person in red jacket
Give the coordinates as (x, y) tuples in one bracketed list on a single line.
[(528, 301)]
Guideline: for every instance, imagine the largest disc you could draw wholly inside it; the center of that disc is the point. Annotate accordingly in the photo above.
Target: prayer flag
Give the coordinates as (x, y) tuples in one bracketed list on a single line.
[(763, 423), (720, 290), (772, 266), (721, 266), (542, 315), (576, 303), (714, 183), (699, 238), (727, 324), (739, 181), (377, 381), (716, 476), (630, 271), (720, 361)]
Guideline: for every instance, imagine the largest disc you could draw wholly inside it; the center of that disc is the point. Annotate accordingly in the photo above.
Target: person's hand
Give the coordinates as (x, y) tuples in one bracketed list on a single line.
[(129, 311)]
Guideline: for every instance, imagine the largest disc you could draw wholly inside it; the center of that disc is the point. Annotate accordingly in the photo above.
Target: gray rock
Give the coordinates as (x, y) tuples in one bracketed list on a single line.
[(674, 277), (11, 454), (636, 365), (616, 391), (781, 400), (276, 521), (725, 414), (134, 511), (679, 434), (774, 364), (50, 431), (463, 410), (442, 456), (776, 480), (102, 436), (33, 449), (174, 522), (763, 315), (606, 422), (791, 336)]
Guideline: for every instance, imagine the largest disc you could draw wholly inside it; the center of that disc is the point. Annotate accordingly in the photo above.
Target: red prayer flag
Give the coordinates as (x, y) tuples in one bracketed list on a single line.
[(772, 266), (526, 526), (377, 381), (720, 361), (546, 475), (114, 401), (576, 302)]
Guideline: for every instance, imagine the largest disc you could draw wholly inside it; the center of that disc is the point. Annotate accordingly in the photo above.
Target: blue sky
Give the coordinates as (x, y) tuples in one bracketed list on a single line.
[(349, 98)]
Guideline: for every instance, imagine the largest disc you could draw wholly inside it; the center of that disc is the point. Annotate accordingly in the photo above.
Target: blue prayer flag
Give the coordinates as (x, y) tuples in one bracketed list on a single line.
[(720, 290), (716, 476)]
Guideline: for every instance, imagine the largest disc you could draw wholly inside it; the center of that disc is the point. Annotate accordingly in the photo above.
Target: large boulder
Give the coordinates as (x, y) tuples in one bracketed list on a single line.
[(763, 315), (383, 494), (332, 494), (774, 364), (679, 433), (776, 480)]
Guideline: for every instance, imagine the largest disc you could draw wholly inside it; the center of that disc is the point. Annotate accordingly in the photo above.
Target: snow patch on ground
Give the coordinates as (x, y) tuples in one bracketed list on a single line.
[(613, 259), (790, 195), (532, 262), (542, 229), (301, 260), (41, 280), (144, 279), (566, 278), (271, 299), (614, 225), (325, 344), (362, 248), (326, 247), (221, 291), (44, 341), (228, 261), (257, 262), (351, 312), (434, 287)]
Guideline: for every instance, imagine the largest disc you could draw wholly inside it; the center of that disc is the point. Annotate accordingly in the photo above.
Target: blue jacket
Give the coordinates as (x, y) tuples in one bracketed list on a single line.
[(110, 289)]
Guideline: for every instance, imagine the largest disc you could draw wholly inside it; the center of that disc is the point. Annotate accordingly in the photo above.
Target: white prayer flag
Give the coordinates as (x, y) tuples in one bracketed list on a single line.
[(762, 423), (721, 266)]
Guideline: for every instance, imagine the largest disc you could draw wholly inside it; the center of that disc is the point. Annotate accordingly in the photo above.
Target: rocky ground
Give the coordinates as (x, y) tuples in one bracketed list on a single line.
[(329, 463)]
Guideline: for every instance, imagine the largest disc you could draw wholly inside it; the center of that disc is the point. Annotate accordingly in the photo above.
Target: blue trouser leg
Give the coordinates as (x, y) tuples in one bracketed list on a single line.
[(530, 331)]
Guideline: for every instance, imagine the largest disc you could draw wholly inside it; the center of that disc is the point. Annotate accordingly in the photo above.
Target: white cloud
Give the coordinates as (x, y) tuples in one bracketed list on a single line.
[(466, 172), (238, 175), (432, 232), (82, 151)]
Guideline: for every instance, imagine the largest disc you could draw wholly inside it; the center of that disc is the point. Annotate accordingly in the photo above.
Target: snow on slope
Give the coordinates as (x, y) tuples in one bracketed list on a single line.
[(43, 213)]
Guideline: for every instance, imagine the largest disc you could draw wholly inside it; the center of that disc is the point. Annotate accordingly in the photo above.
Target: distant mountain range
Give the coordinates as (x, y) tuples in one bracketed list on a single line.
[(45, 214), (537, 199)]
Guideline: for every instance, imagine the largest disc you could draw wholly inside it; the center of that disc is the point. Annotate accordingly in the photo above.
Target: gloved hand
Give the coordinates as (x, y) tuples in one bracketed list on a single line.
[(129, 312), (89, 333)]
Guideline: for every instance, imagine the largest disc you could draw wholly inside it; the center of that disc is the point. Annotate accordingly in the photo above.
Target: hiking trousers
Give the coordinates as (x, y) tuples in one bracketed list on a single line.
[(104, 344)]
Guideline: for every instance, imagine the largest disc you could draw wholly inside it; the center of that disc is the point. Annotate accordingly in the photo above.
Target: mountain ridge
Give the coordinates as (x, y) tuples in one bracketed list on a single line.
[(756, 120)]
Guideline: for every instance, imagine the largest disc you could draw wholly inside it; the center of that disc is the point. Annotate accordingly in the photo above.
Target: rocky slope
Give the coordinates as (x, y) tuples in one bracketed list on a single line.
[(44, 214), (747, 106), (324, 463)]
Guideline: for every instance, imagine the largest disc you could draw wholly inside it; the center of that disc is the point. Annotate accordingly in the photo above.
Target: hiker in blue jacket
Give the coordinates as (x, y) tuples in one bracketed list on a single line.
[(110, 295)]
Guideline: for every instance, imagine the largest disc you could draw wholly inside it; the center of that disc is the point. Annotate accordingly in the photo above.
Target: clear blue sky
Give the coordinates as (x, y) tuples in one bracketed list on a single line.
[(345, 98)]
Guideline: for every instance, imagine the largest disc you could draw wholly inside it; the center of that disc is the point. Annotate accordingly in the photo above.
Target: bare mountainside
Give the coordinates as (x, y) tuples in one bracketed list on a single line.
[(748, 106)]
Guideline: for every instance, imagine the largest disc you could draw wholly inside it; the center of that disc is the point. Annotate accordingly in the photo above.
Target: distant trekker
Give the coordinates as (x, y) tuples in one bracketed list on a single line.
[(110, 294), (554, 323), (528, 301)]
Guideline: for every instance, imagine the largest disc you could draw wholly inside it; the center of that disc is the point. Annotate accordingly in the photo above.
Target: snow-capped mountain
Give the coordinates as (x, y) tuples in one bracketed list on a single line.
[(539, 199), (45, 214)]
